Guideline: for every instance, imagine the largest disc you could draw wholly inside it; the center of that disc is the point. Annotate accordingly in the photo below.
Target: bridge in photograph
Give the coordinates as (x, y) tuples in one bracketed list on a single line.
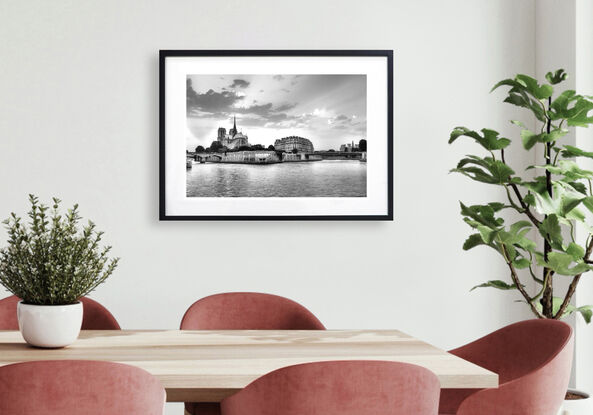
[(339, 155)]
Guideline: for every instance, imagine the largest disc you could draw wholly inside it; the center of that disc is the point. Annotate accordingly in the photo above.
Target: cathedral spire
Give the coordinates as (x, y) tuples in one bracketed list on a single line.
[(234, 125)]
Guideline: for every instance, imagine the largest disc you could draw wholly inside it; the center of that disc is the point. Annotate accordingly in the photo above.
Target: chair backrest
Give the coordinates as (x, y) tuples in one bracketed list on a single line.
[(95, 317), (69, 387), (8, 319), (541, 351), (533, 360), (518, 349), (339, 388), (248, 311)]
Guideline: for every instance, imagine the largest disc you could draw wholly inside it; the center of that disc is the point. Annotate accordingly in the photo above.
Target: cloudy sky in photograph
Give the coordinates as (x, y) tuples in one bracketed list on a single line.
[(329, 110)]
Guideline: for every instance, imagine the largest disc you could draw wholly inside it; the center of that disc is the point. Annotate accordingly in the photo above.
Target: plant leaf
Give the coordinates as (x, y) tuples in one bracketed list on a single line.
[(489, 138), (485, 170), (571, 151), (550, 229), (472, 241), (578, 116), (482, 215), (529, 138), (576, 251), (586, 312), (540, 92), (556, 77), (501, 285), (561, 263), (521, 263)]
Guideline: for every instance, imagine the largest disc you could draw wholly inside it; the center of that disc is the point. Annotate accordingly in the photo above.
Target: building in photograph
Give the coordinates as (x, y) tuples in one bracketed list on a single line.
[(288, 144), (349, 148), (234, 138)]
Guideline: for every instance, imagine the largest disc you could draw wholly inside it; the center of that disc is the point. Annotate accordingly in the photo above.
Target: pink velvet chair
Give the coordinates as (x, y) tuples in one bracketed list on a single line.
[(73, 387), (533, 359), (244, 311), (95, 317), (339, 388)]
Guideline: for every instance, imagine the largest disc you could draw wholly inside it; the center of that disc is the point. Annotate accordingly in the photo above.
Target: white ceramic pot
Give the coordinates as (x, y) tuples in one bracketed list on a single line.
[(49, 325), (577, 406)]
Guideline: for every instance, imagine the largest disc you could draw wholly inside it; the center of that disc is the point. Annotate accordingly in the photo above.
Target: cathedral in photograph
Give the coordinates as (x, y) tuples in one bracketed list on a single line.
[(234, 139)]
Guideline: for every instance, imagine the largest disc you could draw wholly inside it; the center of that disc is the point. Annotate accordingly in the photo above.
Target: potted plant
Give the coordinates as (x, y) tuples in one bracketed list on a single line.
[(50, 263), (552, 198)]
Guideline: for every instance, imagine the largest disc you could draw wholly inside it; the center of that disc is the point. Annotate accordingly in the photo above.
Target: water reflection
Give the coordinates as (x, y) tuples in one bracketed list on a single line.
[(327, 178)]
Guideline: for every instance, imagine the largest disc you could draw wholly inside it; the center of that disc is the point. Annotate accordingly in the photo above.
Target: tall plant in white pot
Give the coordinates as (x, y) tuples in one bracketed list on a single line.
[(553, 198), (50, 263)]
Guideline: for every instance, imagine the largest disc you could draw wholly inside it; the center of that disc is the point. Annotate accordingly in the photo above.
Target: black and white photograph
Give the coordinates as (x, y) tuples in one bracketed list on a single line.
[(276, 134)]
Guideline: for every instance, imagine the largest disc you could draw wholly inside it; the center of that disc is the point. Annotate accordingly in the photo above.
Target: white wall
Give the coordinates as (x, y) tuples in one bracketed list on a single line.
[(79, 107)]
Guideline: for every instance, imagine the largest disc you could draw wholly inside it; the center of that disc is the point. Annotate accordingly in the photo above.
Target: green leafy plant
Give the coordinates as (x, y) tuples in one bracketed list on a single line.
[(51, 260), (552, 203)]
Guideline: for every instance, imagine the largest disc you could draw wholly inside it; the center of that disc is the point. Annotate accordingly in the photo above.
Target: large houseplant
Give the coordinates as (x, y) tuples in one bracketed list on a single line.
[(552, 198), (50, 263)]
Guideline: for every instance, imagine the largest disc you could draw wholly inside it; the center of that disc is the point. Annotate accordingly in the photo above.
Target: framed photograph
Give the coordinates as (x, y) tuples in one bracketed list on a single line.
[(276, 135)]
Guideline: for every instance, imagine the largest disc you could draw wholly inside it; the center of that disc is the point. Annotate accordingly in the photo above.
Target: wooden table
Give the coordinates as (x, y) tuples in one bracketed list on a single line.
[(207, 366)]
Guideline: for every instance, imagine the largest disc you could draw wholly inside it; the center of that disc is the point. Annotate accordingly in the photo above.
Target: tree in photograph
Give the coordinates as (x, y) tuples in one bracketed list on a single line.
[(362, 145), (271, 148), (200, 149), (553, 202), (216, 146)]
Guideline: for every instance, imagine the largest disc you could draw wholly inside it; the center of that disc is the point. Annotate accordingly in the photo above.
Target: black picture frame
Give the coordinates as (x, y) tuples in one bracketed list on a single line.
[(164, 54)]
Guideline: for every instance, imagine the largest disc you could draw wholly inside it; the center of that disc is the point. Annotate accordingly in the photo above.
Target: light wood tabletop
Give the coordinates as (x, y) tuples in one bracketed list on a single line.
[(207, 366)]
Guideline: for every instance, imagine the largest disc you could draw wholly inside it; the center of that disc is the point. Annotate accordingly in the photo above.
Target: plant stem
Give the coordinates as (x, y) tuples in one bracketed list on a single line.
[(524, 207), (548, 294), (517, 282), (573, 285)]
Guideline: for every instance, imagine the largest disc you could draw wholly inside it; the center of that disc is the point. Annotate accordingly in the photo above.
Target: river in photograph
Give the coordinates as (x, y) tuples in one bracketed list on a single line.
[(326, 178)]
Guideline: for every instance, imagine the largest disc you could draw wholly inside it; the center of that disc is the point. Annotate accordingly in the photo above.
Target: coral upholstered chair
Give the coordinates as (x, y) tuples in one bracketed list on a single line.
[(248, 311), (244, 311), (339, 388), (69, 387), (533, 359), (95, 316), (8, 319)]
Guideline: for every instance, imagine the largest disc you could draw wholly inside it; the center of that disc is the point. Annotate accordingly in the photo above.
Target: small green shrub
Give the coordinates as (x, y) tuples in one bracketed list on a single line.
[(52, 260)]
